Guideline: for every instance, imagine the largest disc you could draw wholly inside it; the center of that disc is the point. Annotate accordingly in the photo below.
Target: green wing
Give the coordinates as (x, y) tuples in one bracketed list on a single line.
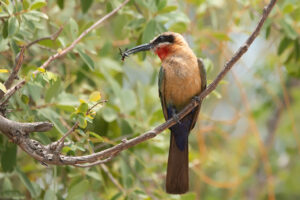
[(203, 87), (202, 74), (161, 88)]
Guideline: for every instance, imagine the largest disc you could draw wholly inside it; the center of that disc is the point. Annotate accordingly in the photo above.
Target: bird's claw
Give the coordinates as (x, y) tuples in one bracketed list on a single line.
[(196, 98), (176, 118)]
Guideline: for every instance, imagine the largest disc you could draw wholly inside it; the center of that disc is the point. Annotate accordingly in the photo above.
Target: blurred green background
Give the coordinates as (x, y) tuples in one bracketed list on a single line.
[(245, 145)]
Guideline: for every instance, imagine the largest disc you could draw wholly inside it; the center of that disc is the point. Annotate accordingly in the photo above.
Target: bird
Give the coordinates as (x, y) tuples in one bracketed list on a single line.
[(182, 77)]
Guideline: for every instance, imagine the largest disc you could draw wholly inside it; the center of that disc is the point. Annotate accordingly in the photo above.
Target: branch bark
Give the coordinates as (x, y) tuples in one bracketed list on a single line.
[(47, 155)]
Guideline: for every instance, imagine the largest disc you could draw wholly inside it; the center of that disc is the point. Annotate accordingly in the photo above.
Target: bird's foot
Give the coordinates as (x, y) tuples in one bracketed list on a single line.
[(176, 118), (196, 98)]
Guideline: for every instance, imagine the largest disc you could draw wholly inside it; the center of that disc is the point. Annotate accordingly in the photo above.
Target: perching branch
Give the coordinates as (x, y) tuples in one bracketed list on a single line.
[(47, 155)]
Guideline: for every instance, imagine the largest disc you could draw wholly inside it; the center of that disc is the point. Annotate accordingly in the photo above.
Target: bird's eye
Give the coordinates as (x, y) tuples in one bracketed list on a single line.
[(160, 39)]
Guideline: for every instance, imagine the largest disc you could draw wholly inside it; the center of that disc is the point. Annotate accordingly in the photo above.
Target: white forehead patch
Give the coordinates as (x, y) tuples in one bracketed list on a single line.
[(163, 44)]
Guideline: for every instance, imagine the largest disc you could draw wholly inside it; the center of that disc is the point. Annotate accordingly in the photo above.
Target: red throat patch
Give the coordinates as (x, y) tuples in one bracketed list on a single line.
[(162, 52)]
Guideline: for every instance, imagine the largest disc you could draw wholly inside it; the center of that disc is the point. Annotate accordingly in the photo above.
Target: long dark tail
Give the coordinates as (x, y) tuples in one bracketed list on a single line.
[(178, 170)]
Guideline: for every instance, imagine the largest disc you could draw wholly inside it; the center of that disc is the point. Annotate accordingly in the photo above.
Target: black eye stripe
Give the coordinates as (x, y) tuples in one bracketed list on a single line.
[(164, 38)]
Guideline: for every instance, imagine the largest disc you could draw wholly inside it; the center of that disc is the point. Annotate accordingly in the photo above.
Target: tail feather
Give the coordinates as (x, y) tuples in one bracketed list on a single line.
[(178, 171)]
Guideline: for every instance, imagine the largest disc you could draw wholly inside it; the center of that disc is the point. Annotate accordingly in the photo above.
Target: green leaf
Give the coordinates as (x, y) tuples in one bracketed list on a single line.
[(95, 135), (126, 127), (78, 190), (25, 99), (109, 7), (168, 9), (35, 15), (11, 194), (288, 8), (128, 100), (35, 91), (25, 4), (283, 45), (60, 3), (83, 108), (94, 175), (126, 175), (86, 59), (95, 96), (54, 118), (108, 114), (217, 94), (85, 5), (3, 88), (37, 4), (149, 32), (7, 184), (297, 49), (13, 26), (160, 4), (9, 6), (208, 64), (177, 22), (289, 30), (221, 36), (14, 47), (82, 121), (50, 195), (148, 4), (53, 91), (73, 28), (26, 182), (5, 29), (8, 159), (268, 31)]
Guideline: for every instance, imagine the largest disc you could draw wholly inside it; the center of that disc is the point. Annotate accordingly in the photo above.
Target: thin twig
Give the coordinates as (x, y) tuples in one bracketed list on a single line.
[(94, 163), (13, 75), (10, 93), (74, 43), (96, 104), (19, 60), (111, 177), (52, 37), (60, 143)]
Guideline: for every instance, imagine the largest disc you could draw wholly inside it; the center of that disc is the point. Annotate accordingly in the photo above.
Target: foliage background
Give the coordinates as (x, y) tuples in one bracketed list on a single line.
[(246, 144)]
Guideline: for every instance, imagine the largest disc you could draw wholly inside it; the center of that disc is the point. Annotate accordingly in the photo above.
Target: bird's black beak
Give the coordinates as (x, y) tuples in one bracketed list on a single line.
[(143, 47)]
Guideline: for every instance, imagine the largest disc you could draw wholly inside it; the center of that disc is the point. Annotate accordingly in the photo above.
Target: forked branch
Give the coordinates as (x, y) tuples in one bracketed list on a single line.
[(47, 155)]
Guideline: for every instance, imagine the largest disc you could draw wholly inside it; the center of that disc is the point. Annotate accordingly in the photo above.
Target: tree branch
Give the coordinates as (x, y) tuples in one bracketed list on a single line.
[(47, 155), (69, 48), (13, 75), (16, 130), (19, 60), (52, 37)]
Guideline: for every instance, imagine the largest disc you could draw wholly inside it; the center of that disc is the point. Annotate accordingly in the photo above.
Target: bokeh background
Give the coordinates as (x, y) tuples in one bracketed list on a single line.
[(245, 145)]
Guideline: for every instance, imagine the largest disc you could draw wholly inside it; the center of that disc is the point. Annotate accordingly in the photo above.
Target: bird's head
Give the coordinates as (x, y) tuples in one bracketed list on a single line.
[(163, 45)]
